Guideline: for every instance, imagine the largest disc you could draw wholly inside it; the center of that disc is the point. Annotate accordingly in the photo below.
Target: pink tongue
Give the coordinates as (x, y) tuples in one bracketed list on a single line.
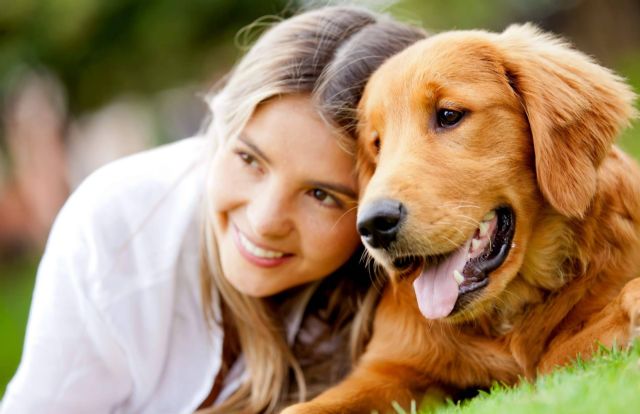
[(436, 289)]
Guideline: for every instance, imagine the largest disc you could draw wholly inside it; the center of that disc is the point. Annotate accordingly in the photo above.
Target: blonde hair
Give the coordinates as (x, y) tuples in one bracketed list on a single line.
[(288, 58)]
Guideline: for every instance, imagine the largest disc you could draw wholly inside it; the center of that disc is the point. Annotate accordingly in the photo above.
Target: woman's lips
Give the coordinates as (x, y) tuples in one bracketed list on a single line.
[(257, 255)]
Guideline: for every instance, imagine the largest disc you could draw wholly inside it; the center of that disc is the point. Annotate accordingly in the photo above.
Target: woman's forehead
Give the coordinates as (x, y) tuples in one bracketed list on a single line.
[(289, 132)]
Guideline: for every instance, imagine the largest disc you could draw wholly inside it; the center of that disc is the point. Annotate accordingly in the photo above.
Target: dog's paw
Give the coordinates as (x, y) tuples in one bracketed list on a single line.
[(631, 305)]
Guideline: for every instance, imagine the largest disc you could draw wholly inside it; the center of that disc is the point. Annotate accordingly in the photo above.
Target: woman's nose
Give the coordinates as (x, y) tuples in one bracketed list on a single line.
[(270, 215)]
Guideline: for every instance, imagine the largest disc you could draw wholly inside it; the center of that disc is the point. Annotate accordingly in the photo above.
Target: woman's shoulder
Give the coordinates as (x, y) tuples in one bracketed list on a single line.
[(135, 183), (117, 293), (134, 219), (151, 170)]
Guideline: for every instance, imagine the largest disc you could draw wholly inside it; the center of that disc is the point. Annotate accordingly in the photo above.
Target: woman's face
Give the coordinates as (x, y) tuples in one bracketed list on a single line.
[(284, 200)]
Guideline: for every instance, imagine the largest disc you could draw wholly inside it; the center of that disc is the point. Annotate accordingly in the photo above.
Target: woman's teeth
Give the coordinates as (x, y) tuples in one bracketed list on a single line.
[(258, 251)]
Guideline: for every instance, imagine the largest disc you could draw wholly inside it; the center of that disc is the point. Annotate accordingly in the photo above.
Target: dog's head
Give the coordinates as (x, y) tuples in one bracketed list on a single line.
[(464, 138)]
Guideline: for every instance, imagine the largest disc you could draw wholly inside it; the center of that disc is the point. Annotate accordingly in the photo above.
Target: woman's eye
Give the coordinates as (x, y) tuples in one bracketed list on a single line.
[(324, 198), (449, 117), (248, 159)]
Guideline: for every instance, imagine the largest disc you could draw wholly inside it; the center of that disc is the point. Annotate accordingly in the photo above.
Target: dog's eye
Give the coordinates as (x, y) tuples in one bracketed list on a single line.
[(449, 117)]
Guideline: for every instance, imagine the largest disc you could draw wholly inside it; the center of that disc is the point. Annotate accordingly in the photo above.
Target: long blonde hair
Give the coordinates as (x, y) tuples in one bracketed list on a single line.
[(288, 58)]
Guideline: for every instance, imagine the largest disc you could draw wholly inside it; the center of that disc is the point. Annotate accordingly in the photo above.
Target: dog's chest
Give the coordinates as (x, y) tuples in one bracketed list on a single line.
[(483, 351), (475, 357), (482, 363)]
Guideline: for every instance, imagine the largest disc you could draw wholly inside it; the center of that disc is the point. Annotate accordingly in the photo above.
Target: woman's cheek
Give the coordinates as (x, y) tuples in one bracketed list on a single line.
[(347, 232), (334, 240)]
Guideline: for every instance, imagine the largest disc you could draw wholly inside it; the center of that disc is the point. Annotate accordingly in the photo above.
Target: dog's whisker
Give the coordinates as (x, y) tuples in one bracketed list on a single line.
[(453, 244), (343, 215)]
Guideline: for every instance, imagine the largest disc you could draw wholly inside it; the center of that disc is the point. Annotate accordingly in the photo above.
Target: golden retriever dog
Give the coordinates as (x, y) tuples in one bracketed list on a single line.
[(507, 220)]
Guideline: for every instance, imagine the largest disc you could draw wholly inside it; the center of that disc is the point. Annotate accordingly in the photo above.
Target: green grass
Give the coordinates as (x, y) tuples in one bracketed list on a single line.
[(609, 383), (16, 285)]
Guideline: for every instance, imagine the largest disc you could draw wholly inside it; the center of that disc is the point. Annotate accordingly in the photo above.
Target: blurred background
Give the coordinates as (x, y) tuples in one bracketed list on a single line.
[(83, 82)]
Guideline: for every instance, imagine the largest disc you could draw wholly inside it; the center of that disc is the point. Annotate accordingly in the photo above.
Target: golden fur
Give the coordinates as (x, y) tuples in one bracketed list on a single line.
[(538, 136)]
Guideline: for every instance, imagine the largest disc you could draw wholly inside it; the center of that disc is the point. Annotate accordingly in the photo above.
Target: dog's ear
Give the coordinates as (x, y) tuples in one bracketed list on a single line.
[(575, 109)]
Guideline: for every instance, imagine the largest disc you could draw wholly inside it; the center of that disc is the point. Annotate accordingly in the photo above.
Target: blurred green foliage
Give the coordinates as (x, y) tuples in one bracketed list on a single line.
[(486, 14), (100, 49)]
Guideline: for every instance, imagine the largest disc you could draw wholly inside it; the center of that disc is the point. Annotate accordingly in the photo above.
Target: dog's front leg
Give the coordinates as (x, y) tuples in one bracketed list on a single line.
[(372, 386), (617, 324)]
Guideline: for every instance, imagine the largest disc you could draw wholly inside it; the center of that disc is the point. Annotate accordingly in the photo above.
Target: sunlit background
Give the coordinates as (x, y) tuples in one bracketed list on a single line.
[(83, 82)]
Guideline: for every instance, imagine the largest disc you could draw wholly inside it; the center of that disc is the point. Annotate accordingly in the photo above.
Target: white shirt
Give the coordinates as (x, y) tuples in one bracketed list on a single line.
[(116, 323)]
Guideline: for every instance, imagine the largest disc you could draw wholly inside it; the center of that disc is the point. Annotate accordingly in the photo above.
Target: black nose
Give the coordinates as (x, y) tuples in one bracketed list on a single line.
[(380, 221)]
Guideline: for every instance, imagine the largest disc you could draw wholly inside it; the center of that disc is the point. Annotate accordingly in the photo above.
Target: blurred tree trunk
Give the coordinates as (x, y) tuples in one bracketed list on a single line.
[(606, 29)]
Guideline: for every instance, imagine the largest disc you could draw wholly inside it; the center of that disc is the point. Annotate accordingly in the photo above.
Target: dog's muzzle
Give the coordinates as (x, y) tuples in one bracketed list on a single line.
[(380, 221)]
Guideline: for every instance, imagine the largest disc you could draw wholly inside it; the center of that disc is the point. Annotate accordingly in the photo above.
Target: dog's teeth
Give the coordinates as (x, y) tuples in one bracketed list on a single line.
[(489, 216), (484, 228), (458, 277), (475, 244)]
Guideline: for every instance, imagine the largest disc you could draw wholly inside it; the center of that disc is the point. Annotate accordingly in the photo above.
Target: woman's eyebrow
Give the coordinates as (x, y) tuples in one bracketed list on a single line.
[(254, 147), (338, 188)]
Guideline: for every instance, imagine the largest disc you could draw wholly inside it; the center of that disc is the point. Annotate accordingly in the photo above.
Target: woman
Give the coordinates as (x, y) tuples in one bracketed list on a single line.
[(155, 296)]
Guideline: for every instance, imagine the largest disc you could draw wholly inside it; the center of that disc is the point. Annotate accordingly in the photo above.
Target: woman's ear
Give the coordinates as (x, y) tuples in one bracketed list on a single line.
[(575, 107)]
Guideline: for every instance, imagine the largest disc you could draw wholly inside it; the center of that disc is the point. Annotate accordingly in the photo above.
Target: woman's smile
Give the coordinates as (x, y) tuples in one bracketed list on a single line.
[(259, 255)]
